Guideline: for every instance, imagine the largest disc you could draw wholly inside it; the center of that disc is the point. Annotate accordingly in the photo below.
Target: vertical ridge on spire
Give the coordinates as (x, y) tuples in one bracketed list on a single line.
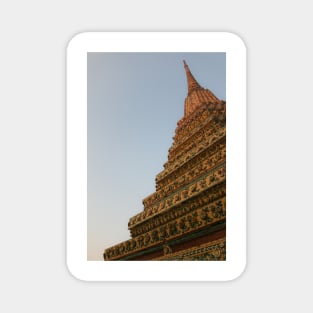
[(191, 81)]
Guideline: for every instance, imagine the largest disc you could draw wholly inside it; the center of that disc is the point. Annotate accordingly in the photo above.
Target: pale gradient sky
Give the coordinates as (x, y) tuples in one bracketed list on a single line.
[(134, 103)]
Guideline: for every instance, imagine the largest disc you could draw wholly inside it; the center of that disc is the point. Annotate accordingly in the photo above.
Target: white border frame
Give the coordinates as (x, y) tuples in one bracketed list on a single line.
[(77, 156)]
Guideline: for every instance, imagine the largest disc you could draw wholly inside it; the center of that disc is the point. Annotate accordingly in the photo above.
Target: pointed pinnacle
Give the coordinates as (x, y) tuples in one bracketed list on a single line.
[(191, 81)]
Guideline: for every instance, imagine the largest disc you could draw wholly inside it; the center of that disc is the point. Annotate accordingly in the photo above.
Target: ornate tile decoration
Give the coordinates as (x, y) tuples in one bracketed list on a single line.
[(185, 218)]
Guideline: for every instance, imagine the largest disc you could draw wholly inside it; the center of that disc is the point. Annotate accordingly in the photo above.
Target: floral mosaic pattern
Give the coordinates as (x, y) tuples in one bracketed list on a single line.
[(188, 222), (213, 251)]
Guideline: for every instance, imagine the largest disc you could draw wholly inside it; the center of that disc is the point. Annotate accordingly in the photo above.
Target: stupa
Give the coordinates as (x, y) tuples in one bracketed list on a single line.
[(185, 218)]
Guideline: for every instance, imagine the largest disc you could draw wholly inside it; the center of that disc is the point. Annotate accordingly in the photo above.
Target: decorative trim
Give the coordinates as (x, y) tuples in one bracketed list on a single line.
[(187, 223), (208, 180), (212, 251)]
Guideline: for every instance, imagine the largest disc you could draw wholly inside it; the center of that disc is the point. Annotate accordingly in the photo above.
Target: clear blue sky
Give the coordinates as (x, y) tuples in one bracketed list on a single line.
[(134, 103)]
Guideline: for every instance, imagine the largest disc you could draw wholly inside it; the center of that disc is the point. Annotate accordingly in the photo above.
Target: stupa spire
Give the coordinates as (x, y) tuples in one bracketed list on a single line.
[(191, 81), (197, 95)]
